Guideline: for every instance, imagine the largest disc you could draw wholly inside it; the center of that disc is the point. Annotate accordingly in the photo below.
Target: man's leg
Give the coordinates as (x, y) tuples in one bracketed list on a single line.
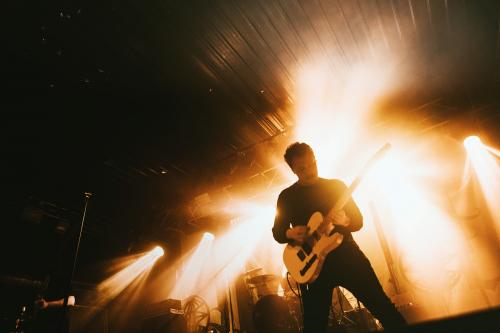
[(361, 280), (316, 300)]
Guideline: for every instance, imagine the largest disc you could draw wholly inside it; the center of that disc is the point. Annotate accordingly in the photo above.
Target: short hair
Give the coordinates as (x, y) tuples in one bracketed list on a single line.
[(295, 150)]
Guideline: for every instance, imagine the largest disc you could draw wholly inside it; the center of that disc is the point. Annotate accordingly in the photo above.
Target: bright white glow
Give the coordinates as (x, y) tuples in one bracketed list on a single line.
[(158, 251), (407, 186), (487, 171), (401, 189), (472, 142), (331, 111), (208, 236)]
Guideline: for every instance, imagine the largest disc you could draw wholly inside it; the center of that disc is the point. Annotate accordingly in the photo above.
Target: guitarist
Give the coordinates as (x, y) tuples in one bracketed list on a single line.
[(345, 266)]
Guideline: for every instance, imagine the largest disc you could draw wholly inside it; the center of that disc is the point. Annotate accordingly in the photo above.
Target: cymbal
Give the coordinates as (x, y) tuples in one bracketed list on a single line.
[(266, 278)]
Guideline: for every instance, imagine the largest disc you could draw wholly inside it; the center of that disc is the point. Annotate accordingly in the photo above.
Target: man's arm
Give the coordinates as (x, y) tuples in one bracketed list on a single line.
[(281, 223), (43, 304)]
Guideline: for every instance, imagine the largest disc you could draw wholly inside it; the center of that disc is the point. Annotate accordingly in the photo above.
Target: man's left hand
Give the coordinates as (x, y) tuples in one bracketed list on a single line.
[(338, 217)]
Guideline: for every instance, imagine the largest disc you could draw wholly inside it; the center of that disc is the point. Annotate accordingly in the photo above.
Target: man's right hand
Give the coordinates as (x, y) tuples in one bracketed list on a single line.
[(298, 233), (41, 304)]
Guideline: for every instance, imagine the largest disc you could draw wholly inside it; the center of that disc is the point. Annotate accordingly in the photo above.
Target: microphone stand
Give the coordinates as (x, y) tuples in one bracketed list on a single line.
[(70, 281)]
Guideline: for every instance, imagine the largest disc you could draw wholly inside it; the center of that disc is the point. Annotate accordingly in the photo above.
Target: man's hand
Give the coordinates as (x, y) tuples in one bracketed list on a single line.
[(298, 233), (41, 304), (337, 217)]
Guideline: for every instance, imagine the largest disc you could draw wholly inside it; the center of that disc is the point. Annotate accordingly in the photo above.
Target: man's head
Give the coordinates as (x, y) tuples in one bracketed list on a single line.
[(300, 158)]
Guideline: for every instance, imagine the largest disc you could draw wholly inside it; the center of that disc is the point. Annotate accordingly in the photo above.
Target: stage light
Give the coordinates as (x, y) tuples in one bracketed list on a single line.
[(472, 142), (158, 251), (126, 276), (208, 236)]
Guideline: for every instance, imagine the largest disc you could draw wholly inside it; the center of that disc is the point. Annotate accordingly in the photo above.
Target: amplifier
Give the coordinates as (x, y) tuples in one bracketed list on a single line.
[(164, 317), (168, 306)]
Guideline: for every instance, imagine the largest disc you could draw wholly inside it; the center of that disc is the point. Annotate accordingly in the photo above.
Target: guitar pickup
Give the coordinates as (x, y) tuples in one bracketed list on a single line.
[(301, 255), (308, 265)]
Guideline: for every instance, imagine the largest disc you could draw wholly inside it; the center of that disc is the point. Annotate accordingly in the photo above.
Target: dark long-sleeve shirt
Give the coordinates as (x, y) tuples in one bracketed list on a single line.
[(298, 202)]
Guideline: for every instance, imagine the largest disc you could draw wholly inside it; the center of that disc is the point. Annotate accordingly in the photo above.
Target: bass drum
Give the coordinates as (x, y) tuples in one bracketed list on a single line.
[(272, 315)]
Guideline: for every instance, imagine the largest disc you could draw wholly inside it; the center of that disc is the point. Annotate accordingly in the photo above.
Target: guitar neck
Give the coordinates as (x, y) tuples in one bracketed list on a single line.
[(342, 201)]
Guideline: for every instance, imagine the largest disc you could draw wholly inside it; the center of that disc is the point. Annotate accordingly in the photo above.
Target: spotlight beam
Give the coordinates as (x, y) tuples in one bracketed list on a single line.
[(111, 287)]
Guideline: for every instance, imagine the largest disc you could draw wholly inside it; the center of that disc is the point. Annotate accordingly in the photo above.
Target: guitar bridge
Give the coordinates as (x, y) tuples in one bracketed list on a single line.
[(305, 250)]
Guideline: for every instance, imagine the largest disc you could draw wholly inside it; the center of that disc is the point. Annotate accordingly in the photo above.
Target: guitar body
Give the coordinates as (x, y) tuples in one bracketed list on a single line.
[(304, 262)]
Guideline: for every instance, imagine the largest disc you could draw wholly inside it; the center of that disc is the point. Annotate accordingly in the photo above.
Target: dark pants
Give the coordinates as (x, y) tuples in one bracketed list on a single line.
[(348, 267)]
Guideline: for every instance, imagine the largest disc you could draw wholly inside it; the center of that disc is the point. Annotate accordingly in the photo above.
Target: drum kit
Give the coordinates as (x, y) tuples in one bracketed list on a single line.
[(276, 303), (277, 307)]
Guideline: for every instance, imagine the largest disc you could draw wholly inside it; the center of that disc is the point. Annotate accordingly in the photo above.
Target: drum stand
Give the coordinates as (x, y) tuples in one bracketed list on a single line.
[(343, 320), (358, 318)]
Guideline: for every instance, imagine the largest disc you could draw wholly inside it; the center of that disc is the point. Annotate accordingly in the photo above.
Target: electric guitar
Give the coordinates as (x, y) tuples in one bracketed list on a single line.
[(304, 262)]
